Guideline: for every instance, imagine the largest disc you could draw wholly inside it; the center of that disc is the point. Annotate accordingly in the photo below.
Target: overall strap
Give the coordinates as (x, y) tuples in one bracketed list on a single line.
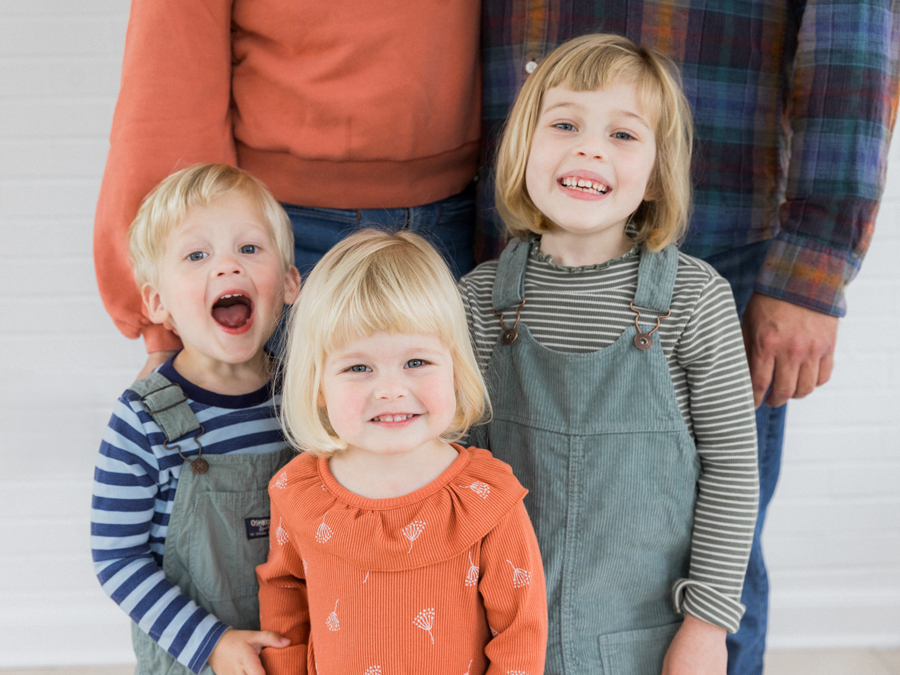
[(656, 279), (167, 404), (509, 285)]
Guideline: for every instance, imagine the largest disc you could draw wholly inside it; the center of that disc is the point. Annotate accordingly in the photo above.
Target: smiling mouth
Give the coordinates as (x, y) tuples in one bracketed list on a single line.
[(584, 185), (232, 310), (393, 418)]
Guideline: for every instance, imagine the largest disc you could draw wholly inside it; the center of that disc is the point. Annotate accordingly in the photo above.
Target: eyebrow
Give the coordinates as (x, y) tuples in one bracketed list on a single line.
[(578, 106)]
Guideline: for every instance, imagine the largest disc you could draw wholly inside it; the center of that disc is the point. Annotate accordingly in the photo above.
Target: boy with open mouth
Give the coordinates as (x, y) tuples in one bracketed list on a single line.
[(180, 510)]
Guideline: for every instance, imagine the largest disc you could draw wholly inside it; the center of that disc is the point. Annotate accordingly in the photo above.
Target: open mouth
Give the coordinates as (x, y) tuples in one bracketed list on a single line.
[(584, 185), (232, 310)]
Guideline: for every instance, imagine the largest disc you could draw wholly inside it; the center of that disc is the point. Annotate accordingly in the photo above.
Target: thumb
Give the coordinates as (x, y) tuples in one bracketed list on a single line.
[(268, 638)]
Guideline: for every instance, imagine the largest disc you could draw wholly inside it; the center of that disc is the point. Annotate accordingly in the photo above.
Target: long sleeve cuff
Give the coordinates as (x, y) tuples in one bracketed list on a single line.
[(705, 602), (198, 662), (807, 273)]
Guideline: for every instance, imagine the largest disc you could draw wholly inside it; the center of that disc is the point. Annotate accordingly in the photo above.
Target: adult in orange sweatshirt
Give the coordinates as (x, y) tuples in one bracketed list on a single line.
[(446, 579), (367, 110)]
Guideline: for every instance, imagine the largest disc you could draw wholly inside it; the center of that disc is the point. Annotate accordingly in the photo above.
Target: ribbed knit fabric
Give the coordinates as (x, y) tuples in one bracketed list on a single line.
[(338, 104), (446, 579)]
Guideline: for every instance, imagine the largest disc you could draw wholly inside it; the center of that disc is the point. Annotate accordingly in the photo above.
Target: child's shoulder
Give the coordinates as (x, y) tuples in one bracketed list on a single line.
[(688, 265), (483, 275), (697, 277), (484, 472), (296, 474)]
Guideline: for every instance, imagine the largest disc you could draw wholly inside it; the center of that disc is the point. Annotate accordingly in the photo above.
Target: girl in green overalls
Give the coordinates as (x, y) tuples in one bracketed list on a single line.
[(616, 368)]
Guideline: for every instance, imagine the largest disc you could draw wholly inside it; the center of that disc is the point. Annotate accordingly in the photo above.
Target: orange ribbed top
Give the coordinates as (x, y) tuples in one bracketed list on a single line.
[(334, 103), (446, 579)]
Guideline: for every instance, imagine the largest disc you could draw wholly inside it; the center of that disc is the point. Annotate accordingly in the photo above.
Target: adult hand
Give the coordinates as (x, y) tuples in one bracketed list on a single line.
[(237, 652), (154, 359), (789, 347), (698, 648)]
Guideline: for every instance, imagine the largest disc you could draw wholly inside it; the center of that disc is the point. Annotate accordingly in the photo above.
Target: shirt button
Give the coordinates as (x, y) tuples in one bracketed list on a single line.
[(530, 66)]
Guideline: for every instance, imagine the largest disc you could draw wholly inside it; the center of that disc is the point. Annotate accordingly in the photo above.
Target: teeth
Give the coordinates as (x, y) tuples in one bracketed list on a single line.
[(585, 185), (392, 418), (232, 295)]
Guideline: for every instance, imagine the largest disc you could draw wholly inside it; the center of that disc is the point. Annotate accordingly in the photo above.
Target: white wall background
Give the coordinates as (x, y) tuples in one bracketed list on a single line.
[(833, 537)]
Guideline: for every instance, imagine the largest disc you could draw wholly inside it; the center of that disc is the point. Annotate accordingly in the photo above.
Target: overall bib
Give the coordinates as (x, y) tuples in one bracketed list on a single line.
[(611, 469), (218, 529)]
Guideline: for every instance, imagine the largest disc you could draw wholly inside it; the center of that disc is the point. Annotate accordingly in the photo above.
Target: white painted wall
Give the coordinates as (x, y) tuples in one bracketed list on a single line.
[(833, 539)]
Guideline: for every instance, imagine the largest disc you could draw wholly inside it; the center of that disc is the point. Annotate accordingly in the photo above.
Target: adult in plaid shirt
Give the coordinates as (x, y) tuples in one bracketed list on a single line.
[(793, 103)]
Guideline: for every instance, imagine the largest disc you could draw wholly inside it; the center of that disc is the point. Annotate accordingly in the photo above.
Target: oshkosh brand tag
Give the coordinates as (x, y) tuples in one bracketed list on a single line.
[(257, 527)]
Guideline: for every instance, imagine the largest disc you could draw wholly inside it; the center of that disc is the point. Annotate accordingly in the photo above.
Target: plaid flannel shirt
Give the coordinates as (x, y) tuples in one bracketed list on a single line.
[(793, 104)]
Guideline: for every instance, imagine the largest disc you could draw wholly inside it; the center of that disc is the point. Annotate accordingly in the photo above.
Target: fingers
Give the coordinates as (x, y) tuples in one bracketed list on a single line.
[(790, 349), (268, 638)]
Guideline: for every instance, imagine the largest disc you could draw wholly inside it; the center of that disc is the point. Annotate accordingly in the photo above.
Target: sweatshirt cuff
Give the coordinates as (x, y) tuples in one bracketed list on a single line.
[(158, 339), (807, 273), (706, 603)]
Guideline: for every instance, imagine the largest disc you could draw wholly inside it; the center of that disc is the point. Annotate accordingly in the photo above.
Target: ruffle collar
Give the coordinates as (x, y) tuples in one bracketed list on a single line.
[(432, 524)]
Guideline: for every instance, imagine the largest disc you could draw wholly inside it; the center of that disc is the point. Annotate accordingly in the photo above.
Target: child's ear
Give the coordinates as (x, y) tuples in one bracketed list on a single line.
[(155, 309), (291, 286)]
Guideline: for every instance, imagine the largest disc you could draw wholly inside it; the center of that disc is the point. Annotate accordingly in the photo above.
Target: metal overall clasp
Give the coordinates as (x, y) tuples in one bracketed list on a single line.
[(642, 340), (510, 334), (198, 465)]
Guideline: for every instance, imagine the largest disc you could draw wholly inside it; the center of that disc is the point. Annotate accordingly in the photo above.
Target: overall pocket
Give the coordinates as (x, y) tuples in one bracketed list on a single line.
[(229, 538), (636, 652)]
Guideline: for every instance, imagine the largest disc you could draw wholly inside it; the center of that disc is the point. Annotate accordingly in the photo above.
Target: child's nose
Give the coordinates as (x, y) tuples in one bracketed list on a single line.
[(389, 387), (592, 147), (228, 265)]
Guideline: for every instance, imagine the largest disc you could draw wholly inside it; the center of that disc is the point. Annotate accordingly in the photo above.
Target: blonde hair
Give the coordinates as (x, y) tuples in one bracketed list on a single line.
[(373, 282), (165, 208), (595, 62)]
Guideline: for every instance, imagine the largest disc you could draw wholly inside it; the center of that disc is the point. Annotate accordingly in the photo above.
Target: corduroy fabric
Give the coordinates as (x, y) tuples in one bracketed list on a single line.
[(445, 579), (612, 470)]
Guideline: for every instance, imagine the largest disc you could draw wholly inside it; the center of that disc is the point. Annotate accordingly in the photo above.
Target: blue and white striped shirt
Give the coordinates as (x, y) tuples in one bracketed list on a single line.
[(134, 490)]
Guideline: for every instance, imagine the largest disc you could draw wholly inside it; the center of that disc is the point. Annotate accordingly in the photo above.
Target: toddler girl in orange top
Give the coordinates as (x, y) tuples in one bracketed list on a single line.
[(394, 550)]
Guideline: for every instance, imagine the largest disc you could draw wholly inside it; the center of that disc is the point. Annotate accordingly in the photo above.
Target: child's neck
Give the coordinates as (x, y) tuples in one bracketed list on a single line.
[(573, 250), (381, 476), (228, 379)]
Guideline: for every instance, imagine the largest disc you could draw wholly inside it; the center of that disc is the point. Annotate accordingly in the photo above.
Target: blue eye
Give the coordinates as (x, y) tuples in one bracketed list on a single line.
[(197, 255), (623, 136), (359, 368), (249, 248), (415, 363), (564, 126)]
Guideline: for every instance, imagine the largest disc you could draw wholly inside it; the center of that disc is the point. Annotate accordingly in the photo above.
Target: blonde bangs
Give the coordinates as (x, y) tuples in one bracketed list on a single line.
[(374, 282)]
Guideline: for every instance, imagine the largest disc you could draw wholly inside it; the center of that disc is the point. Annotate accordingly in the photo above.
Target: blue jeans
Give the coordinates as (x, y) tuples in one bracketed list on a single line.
[(448, 224), (746, 647)]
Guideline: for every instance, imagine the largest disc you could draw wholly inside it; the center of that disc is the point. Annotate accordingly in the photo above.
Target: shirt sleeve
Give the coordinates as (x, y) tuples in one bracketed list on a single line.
[(515, 598), (127, 559), (173, 110), (711, 351), (846, 84), (283, 602)]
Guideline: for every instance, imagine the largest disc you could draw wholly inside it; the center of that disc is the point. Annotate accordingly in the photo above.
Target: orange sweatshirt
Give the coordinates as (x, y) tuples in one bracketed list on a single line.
[(446, 579), (336, 103)]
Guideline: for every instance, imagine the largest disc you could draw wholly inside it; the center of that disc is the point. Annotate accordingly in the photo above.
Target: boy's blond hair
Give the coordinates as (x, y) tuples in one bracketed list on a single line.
[(165, 208), (373, 282), (595, 62)]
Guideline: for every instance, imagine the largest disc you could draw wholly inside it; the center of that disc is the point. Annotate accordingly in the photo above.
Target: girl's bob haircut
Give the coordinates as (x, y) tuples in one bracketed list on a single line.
[(373, 282), (595, 62), (166, 206)]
